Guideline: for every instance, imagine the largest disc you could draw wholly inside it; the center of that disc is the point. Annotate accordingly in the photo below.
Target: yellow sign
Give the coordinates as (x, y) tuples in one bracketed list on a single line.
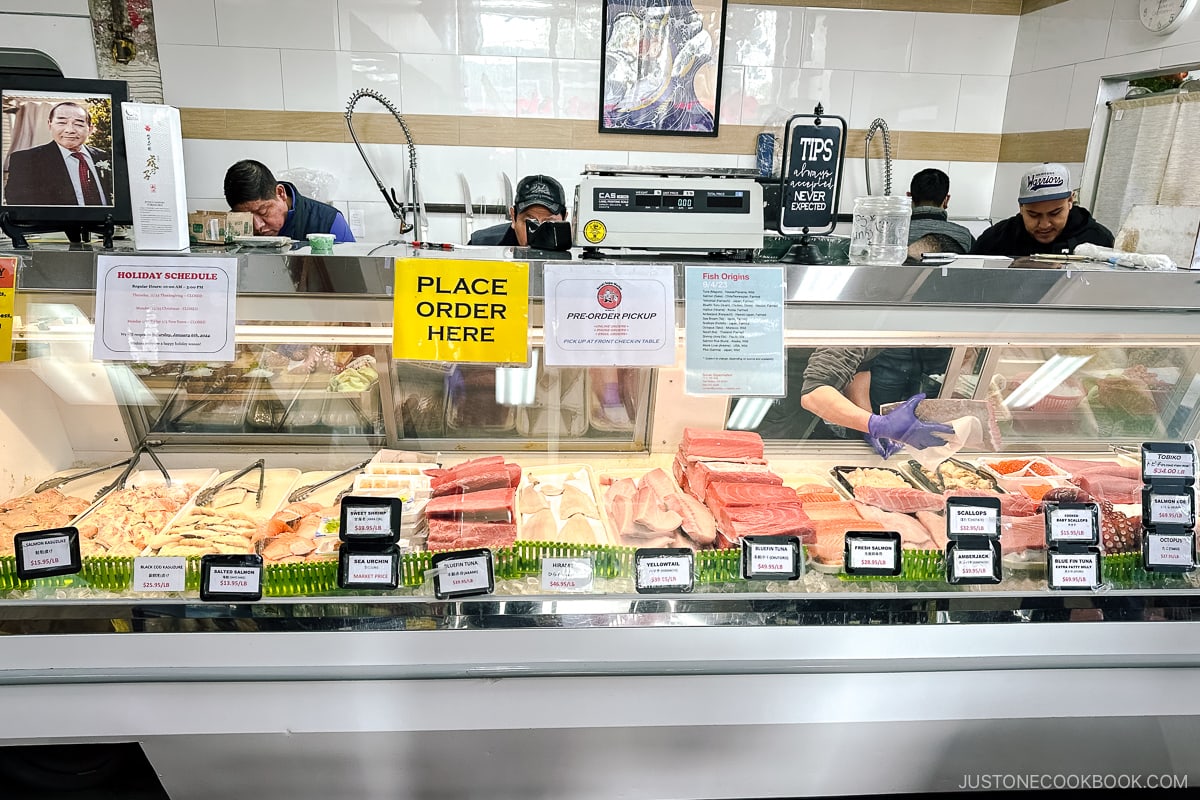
[(470, 311), (595, 231), (8, 300)]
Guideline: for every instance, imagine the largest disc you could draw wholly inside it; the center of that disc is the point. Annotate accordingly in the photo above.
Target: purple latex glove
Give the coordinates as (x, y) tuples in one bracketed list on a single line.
[(886, 448), (901, 425)]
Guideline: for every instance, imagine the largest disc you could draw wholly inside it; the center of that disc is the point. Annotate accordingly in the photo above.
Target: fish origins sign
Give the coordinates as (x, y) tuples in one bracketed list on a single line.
[(814, 152)]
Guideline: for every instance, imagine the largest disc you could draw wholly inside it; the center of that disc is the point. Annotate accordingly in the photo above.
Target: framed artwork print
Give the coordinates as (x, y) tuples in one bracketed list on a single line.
[(661, 66)]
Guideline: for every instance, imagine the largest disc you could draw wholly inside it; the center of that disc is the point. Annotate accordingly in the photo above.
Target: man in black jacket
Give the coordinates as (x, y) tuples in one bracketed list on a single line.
[(278, 208), (538, 197), (1049, 221), (64, 172)]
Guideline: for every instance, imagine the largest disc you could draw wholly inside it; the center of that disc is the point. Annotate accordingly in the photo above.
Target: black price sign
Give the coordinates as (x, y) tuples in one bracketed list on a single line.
[(872, 553), (370, 519), (1168, 462), (1072, 523), (812, 174), (368, 568), (231, 577), (1168, 505), (973, 560), (972, 517), (1073, 569), (664, 569), (44, 554), (463, 573), (1169, 550), (771, 558)]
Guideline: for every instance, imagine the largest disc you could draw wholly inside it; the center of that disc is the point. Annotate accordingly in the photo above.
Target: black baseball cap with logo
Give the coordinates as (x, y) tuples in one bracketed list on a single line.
[(540, 190)]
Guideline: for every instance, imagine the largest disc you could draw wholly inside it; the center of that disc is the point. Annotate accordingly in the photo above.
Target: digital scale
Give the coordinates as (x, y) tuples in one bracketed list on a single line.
[(668, 208)]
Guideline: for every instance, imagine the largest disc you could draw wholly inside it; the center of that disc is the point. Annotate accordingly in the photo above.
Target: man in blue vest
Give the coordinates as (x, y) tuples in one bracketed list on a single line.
[(278, 208)]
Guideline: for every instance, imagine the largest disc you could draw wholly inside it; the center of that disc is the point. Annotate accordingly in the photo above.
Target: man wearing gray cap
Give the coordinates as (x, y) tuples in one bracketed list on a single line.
[(1049, 221), (539, 198)]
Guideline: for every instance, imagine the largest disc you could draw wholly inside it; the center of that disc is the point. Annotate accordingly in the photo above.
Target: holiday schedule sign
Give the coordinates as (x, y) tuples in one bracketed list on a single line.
[(165, 309)]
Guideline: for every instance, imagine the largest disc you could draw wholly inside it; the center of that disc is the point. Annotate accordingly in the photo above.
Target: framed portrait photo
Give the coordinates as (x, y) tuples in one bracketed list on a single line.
[(660, 66)]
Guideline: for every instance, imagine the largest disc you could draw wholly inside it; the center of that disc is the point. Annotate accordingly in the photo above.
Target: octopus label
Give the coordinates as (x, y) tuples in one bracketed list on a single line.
[(1163, 550), (159, 574)]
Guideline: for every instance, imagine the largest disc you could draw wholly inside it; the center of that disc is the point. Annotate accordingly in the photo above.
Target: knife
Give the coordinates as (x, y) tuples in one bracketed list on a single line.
[(508, 197), (468, 210)]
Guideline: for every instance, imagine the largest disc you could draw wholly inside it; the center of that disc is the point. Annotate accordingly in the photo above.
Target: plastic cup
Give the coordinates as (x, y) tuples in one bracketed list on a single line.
[(320, 244)]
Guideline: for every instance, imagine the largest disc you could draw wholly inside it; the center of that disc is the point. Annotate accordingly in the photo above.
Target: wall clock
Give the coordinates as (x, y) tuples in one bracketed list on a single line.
[(1164, 16)]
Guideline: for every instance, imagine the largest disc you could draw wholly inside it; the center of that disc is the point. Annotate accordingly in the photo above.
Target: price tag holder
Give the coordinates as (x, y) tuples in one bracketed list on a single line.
[(973, 560), (571, 575), (659, 570), (972, 517), (233, 578), (368, 568), (872, 553), (371, 519), (463, 573), (44, 554), (1168, 505), (1169, 550), (1073, 569), (1169, 462), (1072, 523), (771, 558), (160, 574)]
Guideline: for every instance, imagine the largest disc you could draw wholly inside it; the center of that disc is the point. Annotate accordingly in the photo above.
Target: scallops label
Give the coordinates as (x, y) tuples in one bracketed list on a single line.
[(973, 520), (159, 574)]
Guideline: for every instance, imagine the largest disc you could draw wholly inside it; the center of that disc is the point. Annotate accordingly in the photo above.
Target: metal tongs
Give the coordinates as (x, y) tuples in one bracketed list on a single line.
[(134, 460), (304, 491), (208, 495), (61, 480)]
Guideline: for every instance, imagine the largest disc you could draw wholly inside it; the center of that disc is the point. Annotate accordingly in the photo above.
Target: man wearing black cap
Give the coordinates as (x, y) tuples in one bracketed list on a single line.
[(539, 198)]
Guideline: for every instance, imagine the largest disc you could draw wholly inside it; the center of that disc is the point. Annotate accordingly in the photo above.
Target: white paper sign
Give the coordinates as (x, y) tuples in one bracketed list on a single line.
[(973, 564), (871, 554), (610, 315), (1169, 551), (735, 331), (165, 308), (1170, 509), (48, 553), (234, 580), (1167, 465), (1074, 571), (369, 568), (972, 520), (159, 574), (772, 559), (368, 521), (1072, 524), (567, 574), (664, 572), (464, 575), (154, 152)]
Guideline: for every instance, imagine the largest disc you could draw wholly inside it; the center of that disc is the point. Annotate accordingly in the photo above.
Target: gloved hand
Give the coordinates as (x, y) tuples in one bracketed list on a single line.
[(901, 425), (886, 448)]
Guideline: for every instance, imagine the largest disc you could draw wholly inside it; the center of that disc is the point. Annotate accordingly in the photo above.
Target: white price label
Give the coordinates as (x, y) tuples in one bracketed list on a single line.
[(872, 554), (1074, 570), (1170, 509), (159, 574), (972, 520), (567, 574), (1168, 465), (369, 568), (973, 564), (1073, 524), (49, 553), (234, 580), (468, 574), (665, 572), (368, 521), (772, 559), (1169, 551)]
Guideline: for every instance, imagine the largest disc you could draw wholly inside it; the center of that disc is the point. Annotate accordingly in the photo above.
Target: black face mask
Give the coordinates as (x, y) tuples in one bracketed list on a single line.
[(552, 235)]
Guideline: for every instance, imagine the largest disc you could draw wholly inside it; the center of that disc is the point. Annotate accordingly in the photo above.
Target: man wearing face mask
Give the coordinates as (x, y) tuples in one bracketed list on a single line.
[(1048, 222), (539, 198)]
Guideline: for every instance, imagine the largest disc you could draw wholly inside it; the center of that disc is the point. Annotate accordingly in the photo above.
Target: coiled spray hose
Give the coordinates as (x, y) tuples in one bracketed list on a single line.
[(880, 125), (390, 195)]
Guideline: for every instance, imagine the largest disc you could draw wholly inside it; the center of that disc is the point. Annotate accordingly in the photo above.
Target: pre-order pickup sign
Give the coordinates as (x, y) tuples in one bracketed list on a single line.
[(464, 311)]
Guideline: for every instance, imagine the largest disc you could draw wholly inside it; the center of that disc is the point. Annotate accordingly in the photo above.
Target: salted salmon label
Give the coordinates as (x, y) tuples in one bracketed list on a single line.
[(165, 574), (8, 301), (234, 580), (1074, 570), (463, 311)]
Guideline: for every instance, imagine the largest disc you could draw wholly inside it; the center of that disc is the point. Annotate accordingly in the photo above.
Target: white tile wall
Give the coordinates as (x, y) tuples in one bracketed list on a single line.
[(564, 166), (68, 40), (1180, 55), (516, 28), (322, 80), (77, 8), (1072, 32), (558, 88), (1128, 36), (971, 188), (1085, 85), (221, 77), (421, 26), (185, 21), (772, 94), (300, 24), (733, 95), (205, 162), (974, 44), (459, 85), (764, 36), (587, 29), (907, 101), (1037, 101), (979, 109)]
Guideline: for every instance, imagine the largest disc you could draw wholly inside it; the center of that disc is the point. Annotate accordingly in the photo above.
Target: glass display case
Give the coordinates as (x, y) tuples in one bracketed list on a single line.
[(1068, 366)]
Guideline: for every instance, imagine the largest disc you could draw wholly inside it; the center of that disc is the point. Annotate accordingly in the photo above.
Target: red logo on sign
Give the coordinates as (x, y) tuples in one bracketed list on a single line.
[(609, 296)]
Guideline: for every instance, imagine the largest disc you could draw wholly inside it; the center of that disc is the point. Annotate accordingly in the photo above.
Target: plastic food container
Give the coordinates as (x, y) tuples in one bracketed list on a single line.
[(880, 232)]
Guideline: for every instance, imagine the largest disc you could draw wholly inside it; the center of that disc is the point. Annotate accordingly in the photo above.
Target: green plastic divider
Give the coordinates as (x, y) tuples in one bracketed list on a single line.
[(915, 565), (1124, 571)]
